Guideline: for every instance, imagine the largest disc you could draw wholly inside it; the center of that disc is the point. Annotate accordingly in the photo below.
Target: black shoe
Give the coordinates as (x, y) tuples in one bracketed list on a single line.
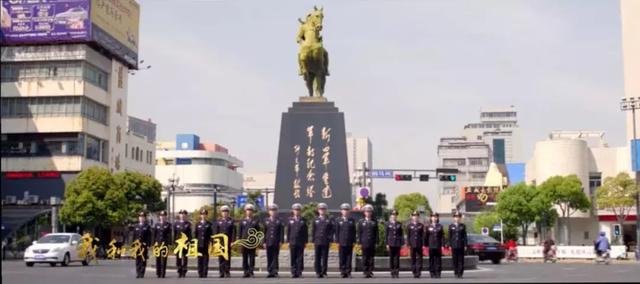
[(246, 275)]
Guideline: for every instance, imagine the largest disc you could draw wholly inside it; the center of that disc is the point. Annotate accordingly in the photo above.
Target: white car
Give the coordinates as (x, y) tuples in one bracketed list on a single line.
[(53, 249)]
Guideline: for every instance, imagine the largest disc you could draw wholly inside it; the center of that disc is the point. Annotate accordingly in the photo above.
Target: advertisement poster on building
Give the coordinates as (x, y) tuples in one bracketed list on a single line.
[(478, 198), (45, 21)]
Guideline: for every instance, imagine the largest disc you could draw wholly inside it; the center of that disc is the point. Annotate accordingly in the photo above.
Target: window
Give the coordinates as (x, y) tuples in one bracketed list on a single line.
[(478, 175), (19, 71), (126, 150), (22, 71), (95, 76), (478, 161), (42, 144), (96, 149), (453, 162), (26, 107), (595, 181)]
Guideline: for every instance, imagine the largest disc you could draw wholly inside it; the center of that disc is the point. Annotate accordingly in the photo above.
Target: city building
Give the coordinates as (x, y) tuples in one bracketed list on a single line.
[(498, 128), (64, 103), (359, 154), (263, 182), (471, 159), (194, 174), (494, 139), (586, 155)]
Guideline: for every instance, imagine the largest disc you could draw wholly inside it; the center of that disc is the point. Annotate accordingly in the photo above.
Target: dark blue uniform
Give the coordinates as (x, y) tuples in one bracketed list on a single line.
[(345, 237), (162, 235), (248, 255), (273, 237), (415, 240), (368, 238), (142, 232), (394, 239), (434, 239), (458, 243), (297, 236), (180, 227), (225, 226), (204, 230), (322, 232)]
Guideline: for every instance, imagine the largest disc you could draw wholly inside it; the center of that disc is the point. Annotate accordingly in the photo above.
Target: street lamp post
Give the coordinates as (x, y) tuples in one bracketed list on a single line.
[(171, 196), (633, 103), (215, 202)]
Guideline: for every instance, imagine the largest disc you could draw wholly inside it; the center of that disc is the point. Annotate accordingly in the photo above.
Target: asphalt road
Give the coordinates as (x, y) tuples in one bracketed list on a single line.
[(109, 272)]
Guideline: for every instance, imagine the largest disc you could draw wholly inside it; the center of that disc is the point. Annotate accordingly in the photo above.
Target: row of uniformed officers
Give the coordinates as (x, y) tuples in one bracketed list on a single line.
[(343, 230)]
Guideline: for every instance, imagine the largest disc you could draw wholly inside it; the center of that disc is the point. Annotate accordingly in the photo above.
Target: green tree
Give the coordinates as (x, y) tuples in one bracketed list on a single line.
[(617, 194), (488, 219), (131, 193), (84, 197), (98, 199), (546, 214), (566, 193), (514, 206), (407, 203)]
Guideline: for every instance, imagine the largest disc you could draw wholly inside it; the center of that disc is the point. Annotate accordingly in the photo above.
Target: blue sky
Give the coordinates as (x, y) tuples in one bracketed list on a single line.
[(405, 73)]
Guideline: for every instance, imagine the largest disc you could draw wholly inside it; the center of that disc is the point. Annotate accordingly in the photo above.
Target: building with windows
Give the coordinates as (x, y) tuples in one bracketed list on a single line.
[(195, 173), (64, 110), (586, 155), (359, 154), (498, 128), (495, 139), (471, 159), (64, 102)]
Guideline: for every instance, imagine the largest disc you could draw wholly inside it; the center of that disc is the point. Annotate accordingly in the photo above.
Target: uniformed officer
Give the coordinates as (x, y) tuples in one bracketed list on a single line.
[(415, 240), (182, 226), (225, 225), (394, 241), (434, 239), (142, 233), (274, 232), (162, 236), (204, 230), (458, 243), (322, 233), (345, 237), (368, 238), (297, 236), (248, 254)]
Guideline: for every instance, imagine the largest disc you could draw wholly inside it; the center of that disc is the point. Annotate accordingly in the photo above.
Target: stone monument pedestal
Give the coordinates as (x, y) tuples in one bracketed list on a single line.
[(312, 155)]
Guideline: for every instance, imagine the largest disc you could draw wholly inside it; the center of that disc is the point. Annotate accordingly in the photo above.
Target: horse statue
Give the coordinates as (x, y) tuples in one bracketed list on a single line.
[(313, 59)]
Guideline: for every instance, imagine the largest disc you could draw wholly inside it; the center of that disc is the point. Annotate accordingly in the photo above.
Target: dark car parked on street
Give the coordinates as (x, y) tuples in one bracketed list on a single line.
[(485, 247)]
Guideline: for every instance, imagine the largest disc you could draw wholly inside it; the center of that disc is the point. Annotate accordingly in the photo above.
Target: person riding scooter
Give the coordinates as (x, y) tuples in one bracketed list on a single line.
[(602, 247), (512, 250), (549, 250)]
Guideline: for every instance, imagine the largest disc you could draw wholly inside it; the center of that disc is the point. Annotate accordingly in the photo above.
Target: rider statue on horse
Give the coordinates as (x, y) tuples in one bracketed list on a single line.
[(313, 59)]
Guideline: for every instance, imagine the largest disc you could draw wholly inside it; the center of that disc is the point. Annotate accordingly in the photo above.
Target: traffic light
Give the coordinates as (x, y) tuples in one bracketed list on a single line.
[(404, 177), (616, 230), (424, 177), (447, 178)]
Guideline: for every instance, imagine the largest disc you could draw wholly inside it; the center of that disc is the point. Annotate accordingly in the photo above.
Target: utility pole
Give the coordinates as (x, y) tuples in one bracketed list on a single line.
[(633, 103)]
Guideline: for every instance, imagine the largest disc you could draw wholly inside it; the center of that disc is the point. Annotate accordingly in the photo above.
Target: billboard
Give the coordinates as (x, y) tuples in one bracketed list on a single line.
[(112, 24), (44, 21), (477, 197), (115, 27)]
